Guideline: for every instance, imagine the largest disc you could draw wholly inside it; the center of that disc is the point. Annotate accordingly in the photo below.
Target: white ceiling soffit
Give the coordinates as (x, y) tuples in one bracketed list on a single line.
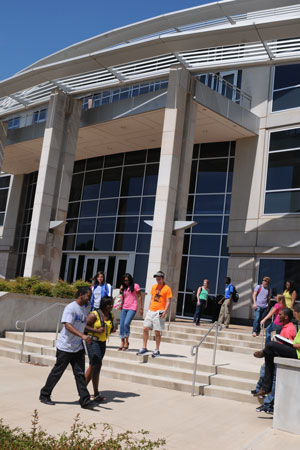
[(203, 59)]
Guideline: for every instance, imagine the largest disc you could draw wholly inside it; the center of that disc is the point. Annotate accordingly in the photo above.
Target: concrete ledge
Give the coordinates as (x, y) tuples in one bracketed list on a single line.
[(287, 398)]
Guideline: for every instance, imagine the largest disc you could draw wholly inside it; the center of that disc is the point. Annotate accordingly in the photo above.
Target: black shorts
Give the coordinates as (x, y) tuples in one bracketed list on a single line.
[(96, 352)]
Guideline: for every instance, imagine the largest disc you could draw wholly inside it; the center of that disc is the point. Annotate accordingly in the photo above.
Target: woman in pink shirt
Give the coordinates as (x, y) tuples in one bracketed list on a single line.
[(130, 291), (275, 325)]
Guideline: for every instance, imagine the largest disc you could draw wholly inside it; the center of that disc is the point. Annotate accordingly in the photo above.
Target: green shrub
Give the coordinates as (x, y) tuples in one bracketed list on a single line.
[(63, 290), (5, 286), (24, 285), (42, 288), (79, 283), (80, 437)]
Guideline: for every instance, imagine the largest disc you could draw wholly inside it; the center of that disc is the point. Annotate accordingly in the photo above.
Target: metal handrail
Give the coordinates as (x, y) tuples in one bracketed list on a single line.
[(25, 322), (215, 325)]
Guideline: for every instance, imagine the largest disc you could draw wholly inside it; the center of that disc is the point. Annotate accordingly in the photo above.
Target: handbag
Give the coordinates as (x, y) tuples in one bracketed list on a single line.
[(118, 302)]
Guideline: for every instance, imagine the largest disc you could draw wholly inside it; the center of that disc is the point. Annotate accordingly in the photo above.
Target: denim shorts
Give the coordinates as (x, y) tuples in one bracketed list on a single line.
[(96, 352)]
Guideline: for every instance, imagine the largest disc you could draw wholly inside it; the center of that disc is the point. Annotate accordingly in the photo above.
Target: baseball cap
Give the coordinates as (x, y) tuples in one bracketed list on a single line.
[(159, 274)]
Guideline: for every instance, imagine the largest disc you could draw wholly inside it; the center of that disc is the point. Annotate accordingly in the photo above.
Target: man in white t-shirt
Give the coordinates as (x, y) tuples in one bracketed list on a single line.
[(70, 350)]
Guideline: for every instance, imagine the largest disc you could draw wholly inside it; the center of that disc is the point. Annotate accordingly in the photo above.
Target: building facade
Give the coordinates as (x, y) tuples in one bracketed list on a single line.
[(170, 144)]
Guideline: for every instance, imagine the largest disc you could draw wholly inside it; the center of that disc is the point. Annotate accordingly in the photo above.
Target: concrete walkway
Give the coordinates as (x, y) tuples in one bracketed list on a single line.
[(185, 422)]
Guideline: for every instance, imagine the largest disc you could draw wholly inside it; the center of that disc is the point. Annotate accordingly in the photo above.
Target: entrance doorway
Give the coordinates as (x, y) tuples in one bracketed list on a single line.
[(84, 267)]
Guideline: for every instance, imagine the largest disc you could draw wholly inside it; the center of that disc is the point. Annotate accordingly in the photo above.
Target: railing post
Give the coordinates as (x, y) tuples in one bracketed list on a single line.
[(215, 343), (22, 345), (263, 336), (195, 370)]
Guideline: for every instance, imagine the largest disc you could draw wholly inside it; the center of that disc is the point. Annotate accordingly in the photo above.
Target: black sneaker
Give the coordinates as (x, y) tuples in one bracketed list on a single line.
[(91, 405), (253, 391), (47, 401), (260, 408), (269, 411)]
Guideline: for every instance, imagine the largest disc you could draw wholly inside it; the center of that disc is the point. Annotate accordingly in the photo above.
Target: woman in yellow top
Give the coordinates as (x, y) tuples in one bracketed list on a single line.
[(289, 294), (99, 326)]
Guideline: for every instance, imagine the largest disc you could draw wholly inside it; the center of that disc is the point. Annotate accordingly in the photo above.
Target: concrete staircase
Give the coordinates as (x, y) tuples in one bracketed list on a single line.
[(172, 371)]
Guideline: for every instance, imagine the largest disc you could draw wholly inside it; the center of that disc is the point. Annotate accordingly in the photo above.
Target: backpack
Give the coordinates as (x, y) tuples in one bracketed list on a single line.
[(235, 295), (260, 288)]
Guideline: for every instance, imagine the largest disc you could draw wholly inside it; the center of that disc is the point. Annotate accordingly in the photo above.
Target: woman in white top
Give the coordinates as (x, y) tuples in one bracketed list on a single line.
[(99, 289)]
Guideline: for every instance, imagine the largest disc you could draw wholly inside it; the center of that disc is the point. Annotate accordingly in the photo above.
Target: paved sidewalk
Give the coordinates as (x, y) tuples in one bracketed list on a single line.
[(185, 422)]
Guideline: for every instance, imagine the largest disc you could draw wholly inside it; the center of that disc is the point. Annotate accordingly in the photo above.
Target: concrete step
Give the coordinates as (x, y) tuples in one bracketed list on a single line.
[(33, 338), (232, 382), (13, 354), (228, 393)]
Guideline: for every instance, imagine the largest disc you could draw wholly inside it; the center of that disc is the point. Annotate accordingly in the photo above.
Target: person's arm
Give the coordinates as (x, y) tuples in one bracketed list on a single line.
[(73, 330), (207, 298), (166, 308), (91, 319), (139, 296), (294, 296), (254, 295), (269, 297), (268, 316), (296, 346), (198, 293)]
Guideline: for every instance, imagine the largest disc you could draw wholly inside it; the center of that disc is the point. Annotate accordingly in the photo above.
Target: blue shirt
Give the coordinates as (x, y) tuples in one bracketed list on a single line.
[(228, 290)]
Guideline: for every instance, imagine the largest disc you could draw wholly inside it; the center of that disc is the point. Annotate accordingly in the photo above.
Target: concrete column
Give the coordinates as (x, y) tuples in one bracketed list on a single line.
[(3, 132), (173, 182), (53, 187), (8, 250)]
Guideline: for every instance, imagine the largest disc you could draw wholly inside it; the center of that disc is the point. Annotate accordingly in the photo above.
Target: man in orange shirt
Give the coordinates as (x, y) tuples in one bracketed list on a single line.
[(155, 318)]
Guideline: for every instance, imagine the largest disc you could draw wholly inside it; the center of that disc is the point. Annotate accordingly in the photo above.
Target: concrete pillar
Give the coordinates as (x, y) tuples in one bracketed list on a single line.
[(53, 187), (8, 250), (173, 182), (3, 132)]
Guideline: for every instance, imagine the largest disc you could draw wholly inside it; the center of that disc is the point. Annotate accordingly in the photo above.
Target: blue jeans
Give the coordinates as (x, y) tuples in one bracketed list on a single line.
[(269, 399), (125, 320), (199, 311), (269, 329), (259, 314)]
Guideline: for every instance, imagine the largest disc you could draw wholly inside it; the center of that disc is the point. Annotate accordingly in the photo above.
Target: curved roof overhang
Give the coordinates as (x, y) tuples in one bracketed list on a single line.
[(245, 40)]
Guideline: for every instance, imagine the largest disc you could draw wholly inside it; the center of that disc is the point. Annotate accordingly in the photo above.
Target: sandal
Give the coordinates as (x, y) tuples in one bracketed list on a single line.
[(99, 398), (126, 347), (120, 349)]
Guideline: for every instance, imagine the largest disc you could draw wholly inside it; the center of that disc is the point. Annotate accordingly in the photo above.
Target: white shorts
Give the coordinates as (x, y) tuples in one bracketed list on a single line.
[(153, 321)]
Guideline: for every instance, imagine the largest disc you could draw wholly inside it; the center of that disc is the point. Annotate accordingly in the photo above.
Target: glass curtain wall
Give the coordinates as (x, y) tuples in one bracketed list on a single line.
[(205, 253), (110, 199)]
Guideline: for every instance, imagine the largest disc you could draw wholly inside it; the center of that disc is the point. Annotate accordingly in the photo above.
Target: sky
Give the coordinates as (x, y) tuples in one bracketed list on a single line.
[(32, 29)]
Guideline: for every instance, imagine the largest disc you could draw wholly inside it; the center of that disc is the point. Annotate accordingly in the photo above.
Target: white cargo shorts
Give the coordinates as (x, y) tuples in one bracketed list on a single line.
[(153, 321)]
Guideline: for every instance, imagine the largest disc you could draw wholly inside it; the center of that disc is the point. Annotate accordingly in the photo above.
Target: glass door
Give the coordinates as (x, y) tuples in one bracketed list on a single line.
[(227, 89), (71, 267)]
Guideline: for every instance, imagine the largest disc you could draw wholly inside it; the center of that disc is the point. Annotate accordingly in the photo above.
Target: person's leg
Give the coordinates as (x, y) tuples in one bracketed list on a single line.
[(122, 329), (145, 337), (62, 361), (196, 315), (88, 374), (222, 313), (256, 327), (227, 313), (128, 319), (270, 351), (157, 339), (269, 330), (78, 366), (261, 377)]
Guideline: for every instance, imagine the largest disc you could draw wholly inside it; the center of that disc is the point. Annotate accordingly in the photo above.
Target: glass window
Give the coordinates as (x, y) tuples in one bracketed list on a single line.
[(91, 185), (128, 224), (79, 166), (207, 224), (106, 224), (143, 244), (280, 271), (286, 92), (153, 155), (108, 207), (2, 215), (84, 242), (73, 210), (284, 170), (150, 182), (285, 140), (212, 175), (148, 205), (200, 268), (4, 182), (69, 241), (125, 242), (282, 202), (209, 204), (14, 123), (137, 157), (3, 199), (214, 149), (94, 163), (132, 182), (114, 160), (140, 269), (183, 273), (205, 245), (111, 183), (129, 206), (76, 187), (103, 242), (71, 226), (222, 275), (86, 226), (89, 209)]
